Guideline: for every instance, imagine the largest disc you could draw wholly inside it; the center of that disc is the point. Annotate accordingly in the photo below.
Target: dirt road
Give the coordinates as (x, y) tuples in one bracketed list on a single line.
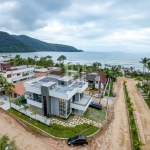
[(142, 113), (117, 135)]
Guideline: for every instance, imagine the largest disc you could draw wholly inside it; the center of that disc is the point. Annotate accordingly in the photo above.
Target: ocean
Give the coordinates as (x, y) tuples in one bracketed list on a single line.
[(112, 58)]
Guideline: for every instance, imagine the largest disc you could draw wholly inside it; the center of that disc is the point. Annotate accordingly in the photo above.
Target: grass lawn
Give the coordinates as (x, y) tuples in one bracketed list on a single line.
[(58, 130), (147, 102), (96, 115)]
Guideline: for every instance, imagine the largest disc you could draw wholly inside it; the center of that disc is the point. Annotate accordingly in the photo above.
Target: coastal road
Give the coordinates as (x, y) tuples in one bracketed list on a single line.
[(142, 113)]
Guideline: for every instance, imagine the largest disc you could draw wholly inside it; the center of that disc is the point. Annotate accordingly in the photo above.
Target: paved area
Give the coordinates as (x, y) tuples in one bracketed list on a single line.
[(5, 100), (77, 120)]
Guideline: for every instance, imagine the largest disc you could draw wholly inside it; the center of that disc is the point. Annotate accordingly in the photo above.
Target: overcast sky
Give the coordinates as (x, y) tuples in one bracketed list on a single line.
[(90, 25)]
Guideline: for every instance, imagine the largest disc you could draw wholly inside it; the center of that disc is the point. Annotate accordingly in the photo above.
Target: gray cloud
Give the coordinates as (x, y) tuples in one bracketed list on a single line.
[(96, 22)]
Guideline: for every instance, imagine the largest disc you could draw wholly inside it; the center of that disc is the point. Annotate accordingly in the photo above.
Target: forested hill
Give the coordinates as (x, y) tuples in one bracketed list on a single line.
[(12, 43), (44, 46)]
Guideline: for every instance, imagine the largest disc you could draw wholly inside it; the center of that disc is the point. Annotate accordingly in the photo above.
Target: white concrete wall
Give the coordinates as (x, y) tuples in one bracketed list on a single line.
[(34, 103), (62, 95), (15, 72), (32, 89), (28, 113), (81, 90), (80, 107)]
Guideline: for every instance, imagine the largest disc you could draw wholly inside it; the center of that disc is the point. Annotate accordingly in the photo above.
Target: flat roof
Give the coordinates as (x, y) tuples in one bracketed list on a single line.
[(66, 78), (41, 81)]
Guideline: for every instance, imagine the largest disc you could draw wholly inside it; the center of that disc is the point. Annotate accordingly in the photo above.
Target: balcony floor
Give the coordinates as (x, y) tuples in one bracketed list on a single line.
[(86, 98)]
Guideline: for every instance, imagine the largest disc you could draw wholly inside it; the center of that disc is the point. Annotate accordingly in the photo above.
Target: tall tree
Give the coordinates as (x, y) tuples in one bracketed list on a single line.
[(35, 58), (144, 61), (7, 88), (61, 59)]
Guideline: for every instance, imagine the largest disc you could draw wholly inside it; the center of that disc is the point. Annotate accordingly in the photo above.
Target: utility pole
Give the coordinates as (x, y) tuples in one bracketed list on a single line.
[(108, 93)]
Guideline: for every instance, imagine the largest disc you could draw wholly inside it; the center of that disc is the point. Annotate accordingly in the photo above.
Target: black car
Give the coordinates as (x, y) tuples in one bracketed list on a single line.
[(78, 140), (95, 104)]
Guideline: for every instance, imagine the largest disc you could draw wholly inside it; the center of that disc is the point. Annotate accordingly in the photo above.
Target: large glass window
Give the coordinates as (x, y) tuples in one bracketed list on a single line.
[(68, 107), (62, 107)]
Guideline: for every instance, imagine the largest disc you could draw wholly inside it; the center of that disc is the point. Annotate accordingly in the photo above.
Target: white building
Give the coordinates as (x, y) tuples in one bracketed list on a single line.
[(59, 96), (17, 73)]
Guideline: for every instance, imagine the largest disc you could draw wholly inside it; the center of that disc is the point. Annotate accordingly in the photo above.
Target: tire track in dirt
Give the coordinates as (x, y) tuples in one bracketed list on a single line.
[(142, 113)]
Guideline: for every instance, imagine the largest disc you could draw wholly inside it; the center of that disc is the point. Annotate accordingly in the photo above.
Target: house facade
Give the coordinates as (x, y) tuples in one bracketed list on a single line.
[(57, 96), (17, 73), (97, 78)]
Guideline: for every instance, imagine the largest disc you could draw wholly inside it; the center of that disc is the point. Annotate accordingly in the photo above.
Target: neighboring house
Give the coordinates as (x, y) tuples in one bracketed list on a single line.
[(19, 87), (17, 73), (58, 96), (97, 78)]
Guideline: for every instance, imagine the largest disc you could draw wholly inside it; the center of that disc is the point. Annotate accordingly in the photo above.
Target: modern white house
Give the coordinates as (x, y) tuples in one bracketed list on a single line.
[(57, 96), (17, 73)]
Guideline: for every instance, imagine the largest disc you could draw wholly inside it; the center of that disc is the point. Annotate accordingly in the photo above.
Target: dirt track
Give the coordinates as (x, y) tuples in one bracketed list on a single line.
[(142, 113), (117, 135)]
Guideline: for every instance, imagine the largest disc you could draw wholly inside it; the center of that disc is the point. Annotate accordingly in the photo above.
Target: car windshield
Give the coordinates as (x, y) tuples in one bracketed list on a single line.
[(74, 138)]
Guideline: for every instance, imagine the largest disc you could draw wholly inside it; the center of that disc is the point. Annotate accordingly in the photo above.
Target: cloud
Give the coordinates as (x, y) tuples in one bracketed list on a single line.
[(88, 25)]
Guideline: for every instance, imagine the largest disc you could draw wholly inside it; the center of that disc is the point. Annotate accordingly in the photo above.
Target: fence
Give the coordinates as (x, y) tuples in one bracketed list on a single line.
[(29, 114)]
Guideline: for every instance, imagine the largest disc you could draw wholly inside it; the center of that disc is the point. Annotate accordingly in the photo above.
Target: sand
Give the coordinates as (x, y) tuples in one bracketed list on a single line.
[(142, 113)]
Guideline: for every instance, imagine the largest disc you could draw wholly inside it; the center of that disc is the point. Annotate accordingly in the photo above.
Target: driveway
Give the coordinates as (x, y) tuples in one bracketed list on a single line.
[(4, 102)]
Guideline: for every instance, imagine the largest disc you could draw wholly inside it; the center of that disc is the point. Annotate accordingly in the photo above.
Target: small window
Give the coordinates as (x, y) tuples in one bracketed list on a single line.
[(18, 74), (62, 83), (9, 76)]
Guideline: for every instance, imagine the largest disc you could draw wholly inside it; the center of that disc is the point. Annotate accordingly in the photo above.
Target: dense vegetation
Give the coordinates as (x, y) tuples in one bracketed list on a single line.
[(43, 46), (7, 144), (10, 44), (136, 143), (13, 44)]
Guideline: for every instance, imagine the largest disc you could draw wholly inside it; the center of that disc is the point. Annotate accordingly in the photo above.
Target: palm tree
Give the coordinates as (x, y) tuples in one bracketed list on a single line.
[(138, 145), (144, 61), (7, 88), (24, 108), (96, 65), (35, 58), (34, 112), (4, 142), (61, 59)]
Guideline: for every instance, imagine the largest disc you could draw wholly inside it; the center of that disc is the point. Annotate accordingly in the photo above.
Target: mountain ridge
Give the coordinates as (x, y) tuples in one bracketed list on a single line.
[(23, 43)]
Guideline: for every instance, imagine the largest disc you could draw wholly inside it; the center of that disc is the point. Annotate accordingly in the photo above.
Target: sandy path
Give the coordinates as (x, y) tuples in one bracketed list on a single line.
[(26, 140), (117, 135), (142, 113)]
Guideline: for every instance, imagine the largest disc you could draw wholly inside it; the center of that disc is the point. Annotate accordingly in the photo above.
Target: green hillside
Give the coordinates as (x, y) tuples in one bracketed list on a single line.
[(10, 44), (43, 46)]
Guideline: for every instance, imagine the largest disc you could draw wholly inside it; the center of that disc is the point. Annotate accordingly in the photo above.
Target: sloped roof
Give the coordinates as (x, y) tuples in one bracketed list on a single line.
[(92, 76)]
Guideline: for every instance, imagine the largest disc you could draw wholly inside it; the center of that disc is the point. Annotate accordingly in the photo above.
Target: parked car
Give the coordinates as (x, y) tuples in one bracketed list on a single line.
[(78, 140), (95, 104)]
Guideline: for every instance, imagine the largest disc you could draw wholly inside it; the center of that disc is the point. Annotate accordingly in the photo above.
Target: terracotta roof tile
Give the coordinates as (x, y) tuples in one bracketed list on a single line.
[(19, 87)]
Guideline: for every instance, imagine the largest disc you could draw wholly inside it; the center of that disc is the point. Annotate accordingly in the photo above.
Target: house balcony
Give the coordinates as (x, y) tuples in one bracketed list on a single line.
[(24, 76), (36, 103), (83, 103)]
